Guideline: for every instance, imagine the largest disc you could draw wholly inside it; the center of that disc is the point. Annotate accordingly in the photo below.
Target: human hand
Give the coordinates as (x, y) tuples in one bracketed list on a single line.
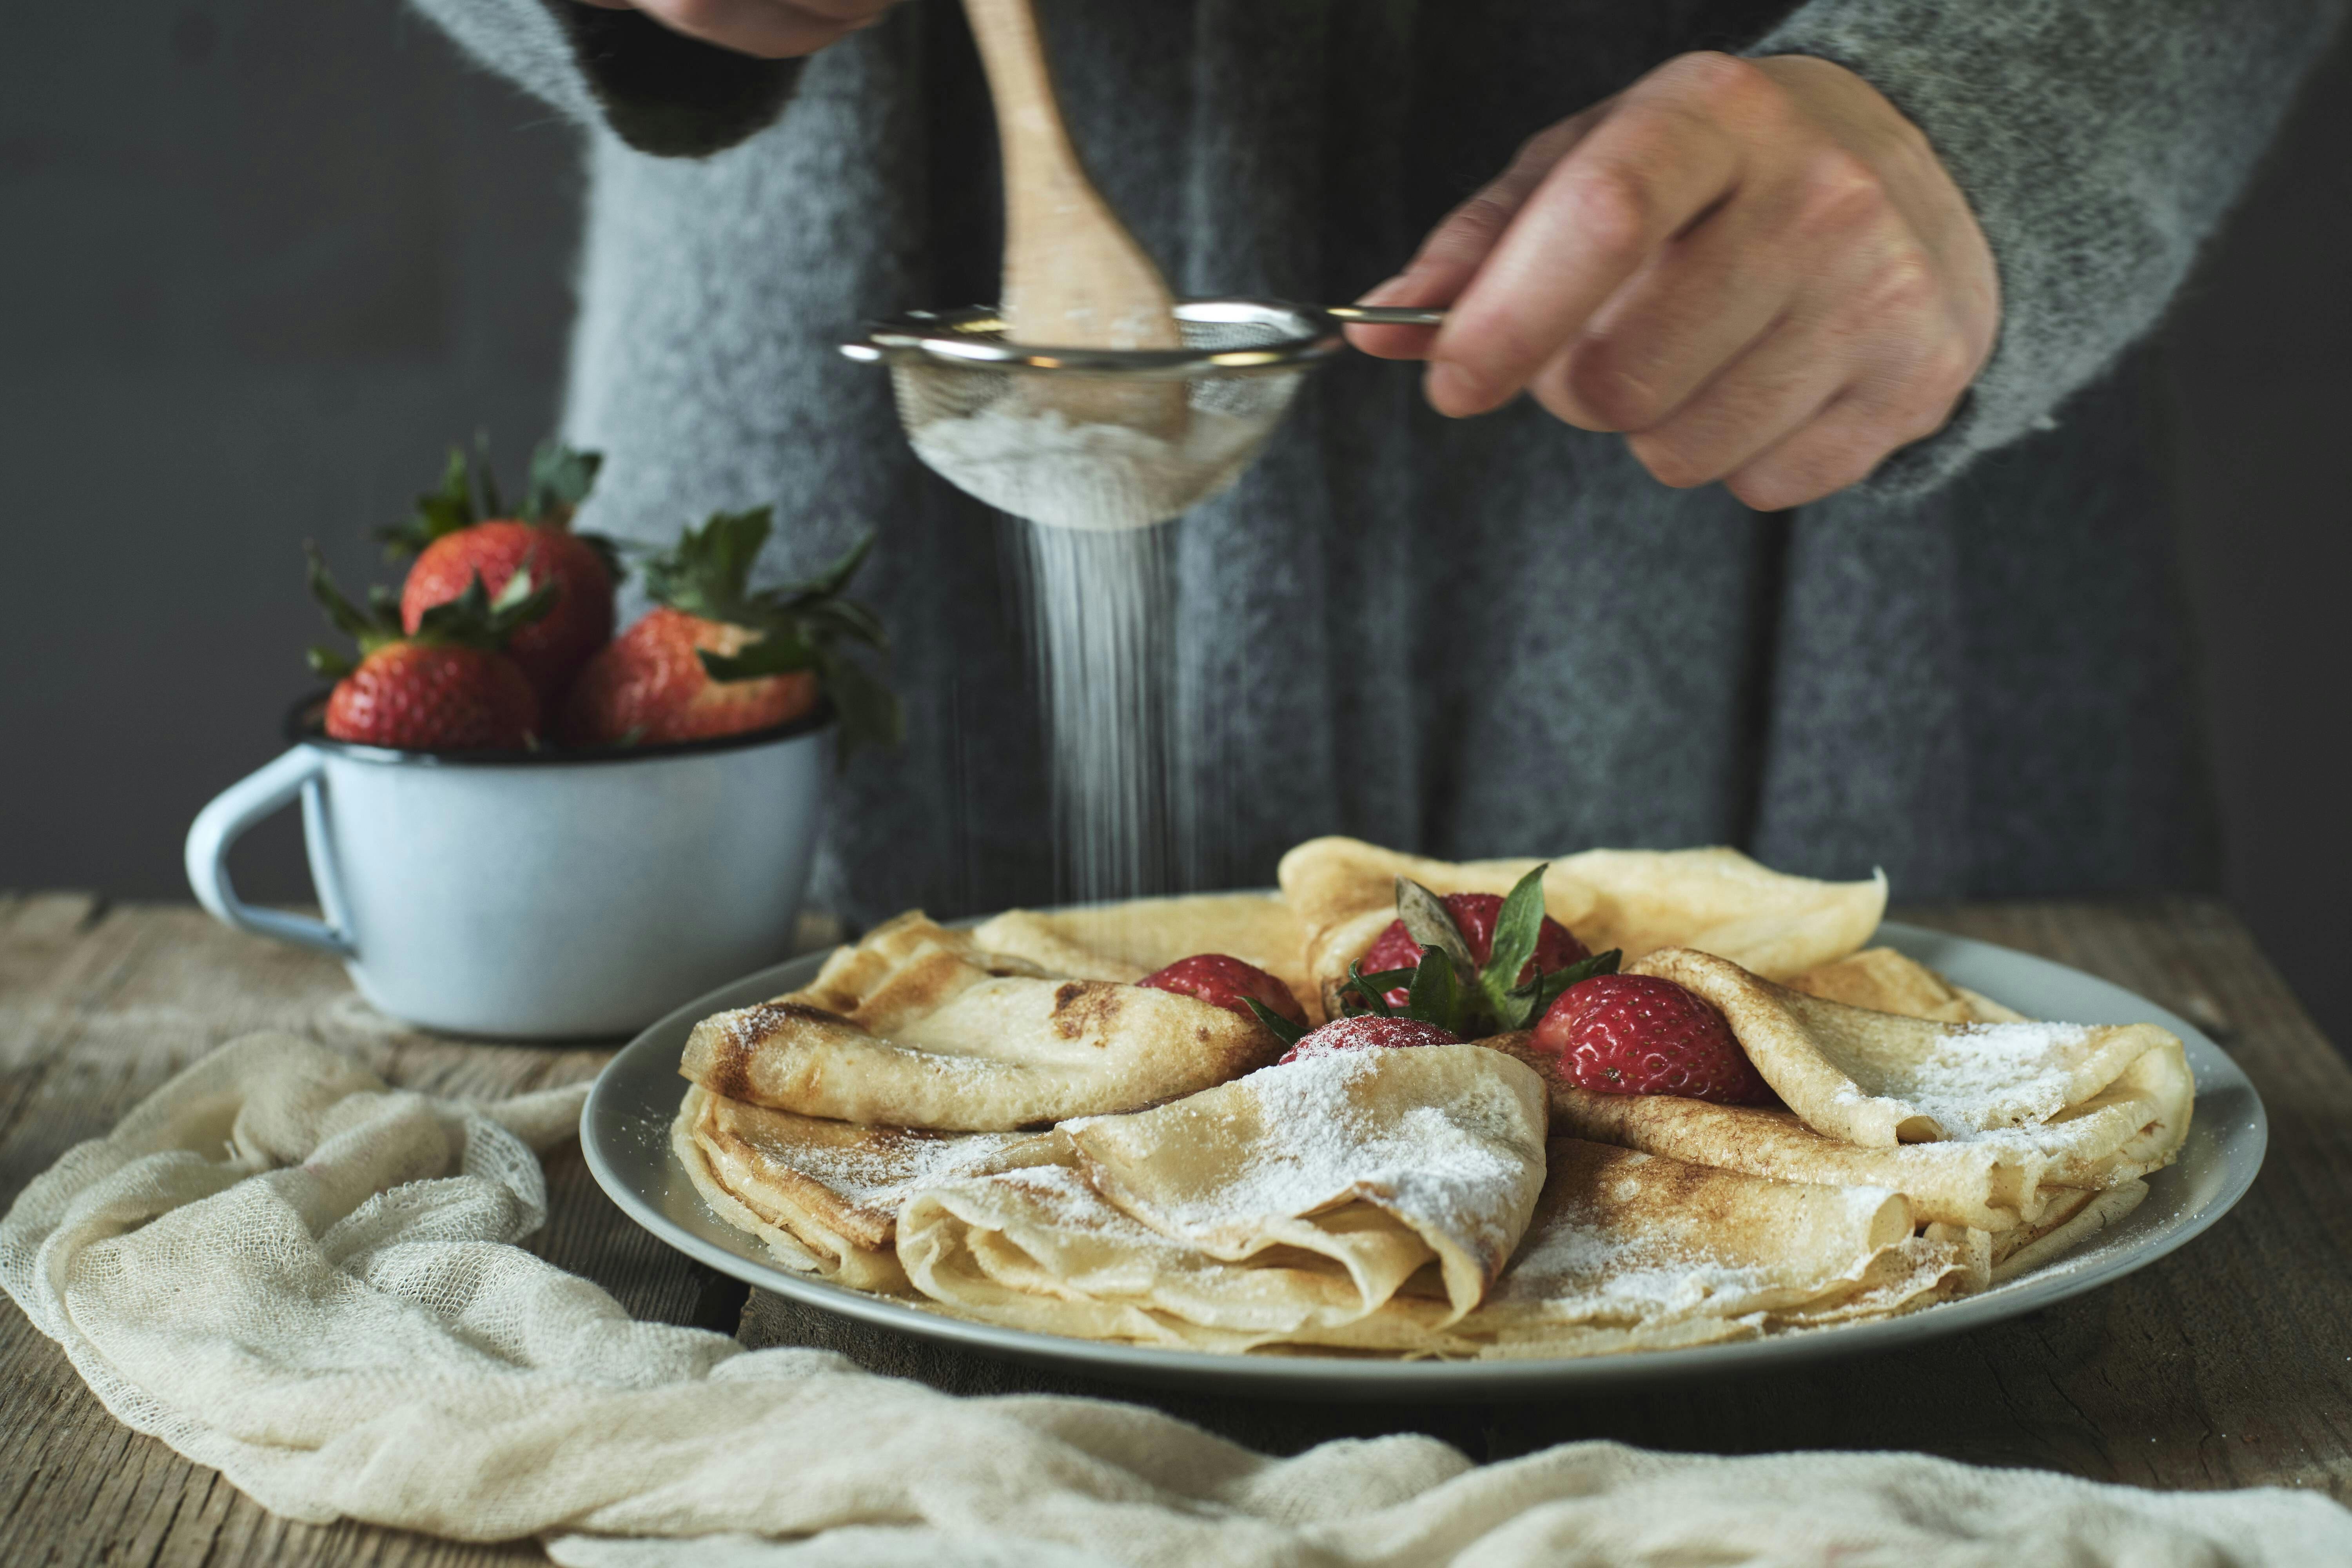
[(774, 30), (1756, 270)]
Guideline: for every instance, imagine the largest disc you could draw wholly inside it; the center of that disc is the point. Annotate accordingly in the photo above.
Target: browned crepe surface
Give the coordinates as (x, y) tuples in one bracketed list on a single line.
[(1630, 1251), (916, 1026), (824, 1195)]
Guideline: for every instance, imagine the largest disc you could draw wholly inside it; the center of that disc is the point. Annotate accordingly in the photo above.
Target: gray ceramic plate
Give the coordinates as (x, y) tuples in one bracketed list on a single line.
[(625, 1133)]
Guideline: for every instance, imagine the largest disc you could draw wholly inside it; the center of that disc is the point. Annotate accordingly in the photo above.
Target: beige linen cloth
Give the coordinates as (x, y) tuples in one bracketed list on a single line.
[(307, 1280)]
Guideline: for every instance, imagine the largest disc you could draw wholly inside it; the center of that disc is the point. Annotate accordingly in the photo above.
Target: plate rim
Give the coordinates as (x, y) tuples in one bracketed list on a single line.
[(1328, 1376)]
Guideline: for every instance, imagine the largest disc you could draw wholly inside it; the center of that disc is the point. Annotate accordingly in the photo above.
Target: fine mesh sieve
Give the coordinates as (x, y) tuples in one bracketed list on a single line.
[(1036, 431)]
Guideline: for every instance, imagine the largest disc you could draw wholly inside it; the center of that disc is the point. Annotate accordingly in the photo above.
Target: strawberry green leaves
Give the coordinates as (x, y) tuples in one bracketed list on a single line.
[(709, 572), (1451, 988), (444, 509), (1437, 996), (1288, 1033), (1517, 930), (561, 479), (371, 627), (1546, 989), (804, 625), (476, 619), (1365, 993), (1429, 923), (473, 619)]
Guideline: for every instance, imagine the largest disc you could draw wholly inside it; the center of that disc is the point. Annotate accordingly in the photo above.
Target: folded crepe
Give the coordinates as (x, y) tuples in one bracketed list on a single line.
[(2116, 1097), (2070, 1220), (824, 1197), (1630, 1251), (1360, 1199), (2020, 1122), (1993, 1186), (1129, 939), (922, 1026), (1886, 981), (1717, 900)]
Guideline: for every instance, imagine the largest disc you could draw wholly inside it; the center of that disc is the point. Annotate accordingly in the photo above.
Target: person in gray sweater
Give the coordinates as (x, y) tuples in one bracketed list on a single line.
[(1876, 266)]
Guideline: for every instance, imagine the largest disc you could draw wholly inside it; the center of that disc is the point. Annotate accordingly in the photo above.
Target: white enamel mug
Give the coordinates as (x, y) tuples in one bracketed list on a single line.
[(547, 896)]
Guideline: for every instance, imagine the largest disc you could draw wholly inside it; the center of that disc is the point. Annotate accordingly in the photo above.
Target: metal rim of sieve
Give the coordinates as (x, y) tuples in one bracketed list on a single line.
[(970, 339)]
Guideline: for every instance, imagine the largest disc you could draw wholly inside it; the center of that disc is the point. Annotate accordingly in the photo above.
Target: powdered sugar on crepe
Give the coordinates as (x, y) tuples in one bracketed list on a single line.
[(1579, 1267), (881, 1171), (1376, 1157), (1990, 1077), (1441, 1166)]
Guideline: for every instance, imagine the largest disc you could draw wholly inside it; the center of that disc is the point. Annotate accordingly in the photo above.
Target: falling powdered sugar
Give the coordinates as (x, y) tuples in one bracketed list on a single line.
[(1100, 591), (1101, 610), (1083, 457)]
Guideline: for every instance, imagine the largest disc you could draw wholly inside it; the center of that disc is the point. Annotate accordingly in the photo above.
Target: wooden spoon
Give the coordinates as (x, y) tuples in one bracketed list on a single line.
[(1073, 276)]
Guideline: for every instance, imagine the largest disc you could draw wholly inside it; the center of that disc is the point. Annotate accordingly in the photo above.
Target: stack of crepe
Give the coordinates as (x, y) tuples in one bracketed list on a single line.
[(998, 1123)]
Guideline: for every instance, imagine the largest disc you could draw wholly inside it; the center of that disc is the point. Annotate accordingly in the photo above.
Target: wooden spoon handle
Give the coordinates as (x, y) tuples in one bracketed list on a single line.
[(1073, 276), (1028, 113)]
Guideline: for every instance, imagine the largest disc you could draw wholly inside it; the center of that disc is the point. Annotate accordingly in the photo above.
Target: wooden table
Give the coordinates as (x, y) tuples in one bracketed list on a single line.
[(2226, 1364)]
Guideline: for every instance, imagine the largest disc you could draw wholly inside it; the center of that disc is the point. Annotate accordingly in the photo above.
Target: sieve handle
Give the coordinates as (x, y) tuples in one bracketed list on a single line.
[(1386, 315)]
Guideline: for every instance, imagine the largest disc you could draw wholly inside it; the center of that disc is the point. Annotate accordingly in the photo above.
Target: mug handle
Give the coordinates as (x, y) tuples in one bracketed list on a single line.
[(225, 821)]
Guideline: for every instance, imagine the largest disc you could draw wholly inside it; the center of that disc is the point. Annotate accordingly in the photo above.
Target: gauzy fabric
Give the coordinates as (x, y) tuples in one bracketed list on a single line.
[(1495, 635), (308, 1280)]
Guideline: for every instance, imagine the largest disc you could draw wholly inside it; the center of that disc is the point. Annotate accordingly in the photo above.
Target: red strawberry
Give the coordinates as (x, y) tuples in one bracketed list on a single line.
[(1475, 915), (448, 687), (1369, 1031), (1637, 1033), (1223, 982), (455, 544), (551, 652), (648, 686), (716, 657), (417, 696)]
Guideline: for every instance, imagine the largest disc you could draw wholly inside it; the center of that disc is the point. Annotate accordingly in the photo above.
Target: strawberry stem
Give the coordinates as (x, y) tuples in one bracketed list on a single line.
[(804, 625), (1518, 929), (1288, 1033)]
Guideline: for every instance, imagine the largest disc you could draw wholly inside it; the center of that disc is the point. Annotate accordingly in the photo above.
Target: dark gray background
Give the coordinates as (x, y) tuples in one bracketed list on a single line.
[(264, 258)]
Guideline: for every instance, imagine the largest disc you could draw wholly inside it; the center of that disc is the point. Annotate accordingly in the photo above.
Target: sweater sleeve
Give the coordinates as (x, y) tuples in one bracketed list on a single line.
[(659, 91), (2098, 140)]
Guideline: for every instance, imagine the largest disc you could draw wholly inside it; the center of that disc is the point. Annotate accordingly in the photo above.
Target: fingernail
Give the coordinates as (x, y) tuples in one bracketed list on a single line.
[(1450, 387), (1385, 292)]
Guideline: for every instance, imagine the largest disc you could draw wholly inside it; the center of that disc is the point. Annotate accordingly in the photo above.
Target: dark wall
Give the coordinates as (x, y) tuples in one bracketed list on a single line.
[(2260, 352), (265, 257)]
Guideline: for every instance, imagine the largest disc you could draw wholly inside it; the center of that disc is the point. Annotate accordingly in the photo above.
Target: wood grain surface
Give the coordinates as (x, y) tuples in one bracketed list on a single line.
[(2226, 1364)]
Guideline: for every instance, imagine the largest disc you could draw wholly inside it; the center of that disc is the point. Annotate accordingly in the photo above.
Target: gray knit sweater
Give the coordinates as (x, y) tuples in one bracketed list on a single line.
[(1493, 637)]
